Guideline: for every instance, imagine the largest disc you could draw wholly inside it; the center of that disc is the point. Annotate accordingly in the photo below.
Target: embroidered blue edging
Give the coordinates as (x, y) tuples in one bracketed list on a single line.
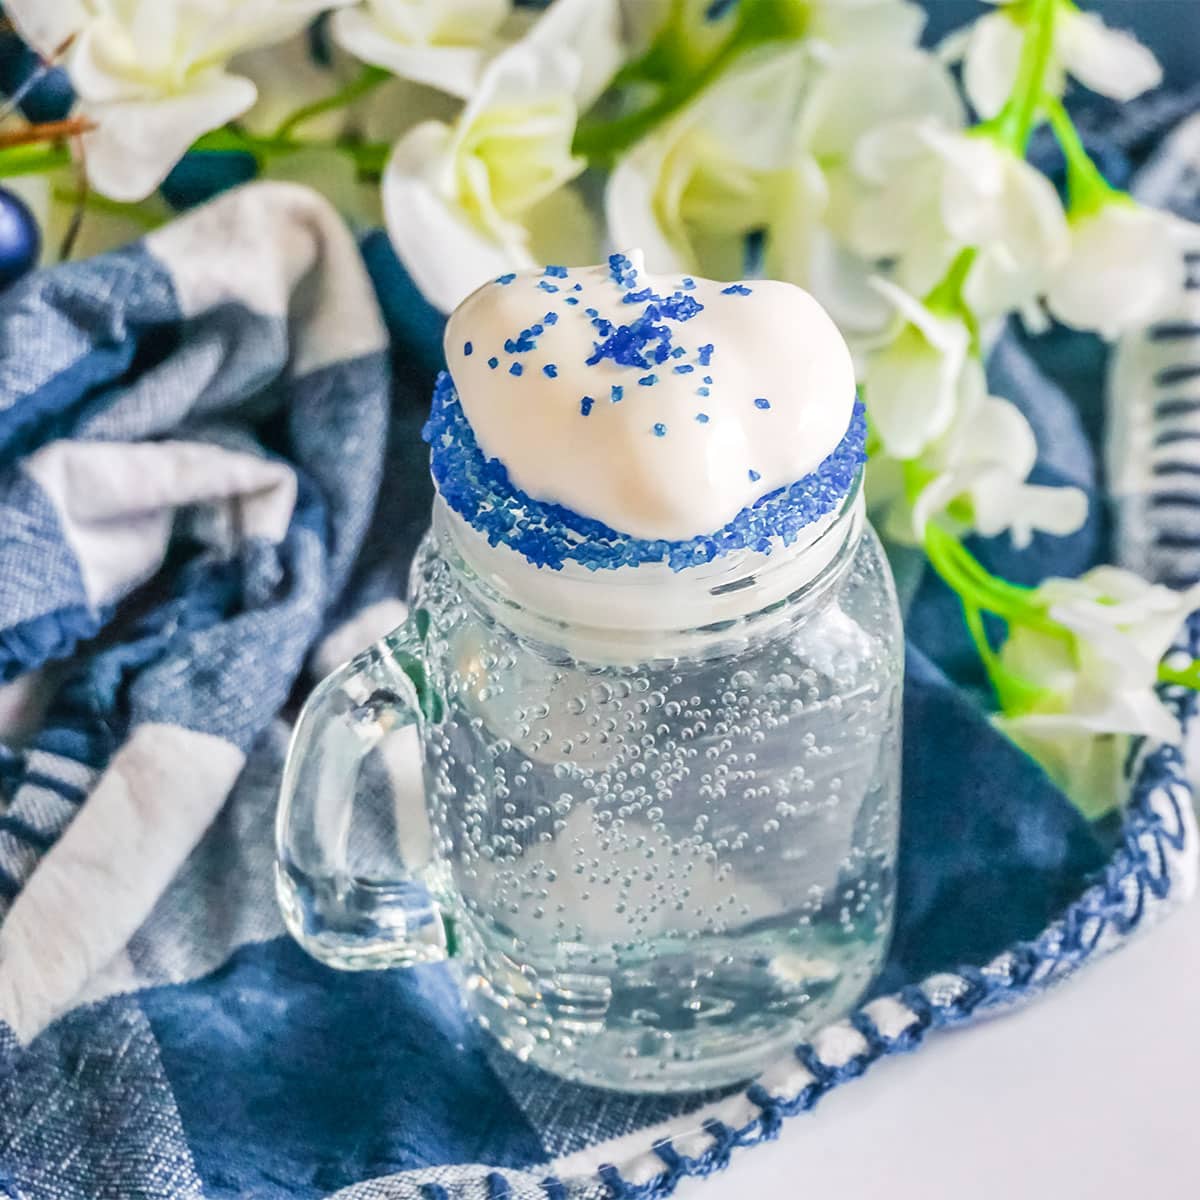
[(549, 535), (1158, 830)]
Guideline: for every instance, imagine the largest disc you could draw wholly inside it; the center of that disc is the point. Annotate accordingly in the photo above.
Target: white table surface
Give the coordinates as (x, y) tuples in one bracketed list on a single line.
[(1092, 1093)]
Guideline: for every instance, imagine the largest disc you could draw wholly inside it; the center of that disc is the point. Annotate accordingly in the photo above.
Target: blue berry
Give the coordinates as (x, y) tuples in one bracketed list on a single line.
[(20, 239), (202, 174)]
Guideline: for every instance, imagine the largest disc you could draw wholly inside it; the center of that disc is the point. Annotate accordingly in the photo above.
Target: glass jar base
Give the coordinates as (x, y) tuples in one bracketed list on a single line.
[(650, 1032)]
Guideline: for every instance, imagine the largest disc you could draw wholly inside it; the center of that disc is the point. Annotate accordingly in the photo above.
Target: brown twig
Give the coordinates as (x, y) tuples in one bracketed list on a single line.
[(46, 131)]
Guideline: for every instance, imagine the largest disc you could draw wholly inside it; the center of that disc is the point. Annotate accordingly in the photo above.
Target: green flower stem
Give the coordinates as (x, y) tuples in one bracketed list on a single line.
[(34, 159), (366, 82), (1015, 123), (369, 157), (1188, 676), (1089, 191), (758, 23), (140, 214)]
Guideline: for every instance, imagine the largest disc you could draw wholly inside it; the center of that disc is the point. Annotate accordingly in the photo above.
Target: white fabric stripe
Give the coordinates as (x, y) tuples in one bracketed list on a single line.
[(43, 809), (97, 884), (66, 770), (291, 234), (117, 501), (17, 857)]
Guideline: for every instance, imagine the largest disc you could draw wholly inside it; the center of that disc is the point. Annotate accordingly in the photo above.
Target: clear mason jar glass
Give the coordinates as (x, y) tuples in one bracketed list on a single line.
[(659, 815)]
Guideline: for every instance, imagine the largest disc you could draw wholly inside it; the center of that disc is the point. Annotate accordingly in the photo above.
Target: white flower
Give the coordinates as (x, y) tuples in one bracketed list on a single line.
[(1124, 270), (913, 384), (152, 73), (929, 192), (462, 201), (441, 43), (690, 193), (980, 469), (1092, 687), (768, 147), (1108, 61)]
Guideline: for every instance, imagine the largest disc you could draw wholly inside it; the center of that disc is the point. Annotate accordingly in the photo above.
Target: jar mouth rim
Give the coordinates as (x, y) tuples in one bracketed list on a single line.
[(550, 536), (626, 605)]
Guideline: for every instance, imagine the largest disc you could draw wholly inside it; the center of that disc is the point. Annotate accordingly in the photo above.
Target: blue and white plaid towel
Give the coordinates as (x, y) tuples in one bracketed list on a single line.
[(210, 482)]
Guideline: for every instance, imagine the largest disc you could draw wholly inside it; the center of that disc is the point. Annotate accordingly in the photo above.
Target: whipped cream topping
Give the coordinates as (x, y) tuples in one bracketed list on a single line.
[(661, 406)]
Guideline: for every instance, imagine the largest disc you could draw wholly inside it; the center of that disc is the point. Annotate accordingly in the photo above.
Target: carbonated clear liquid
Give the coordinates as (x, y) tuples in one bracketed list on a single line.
[(660, 874)]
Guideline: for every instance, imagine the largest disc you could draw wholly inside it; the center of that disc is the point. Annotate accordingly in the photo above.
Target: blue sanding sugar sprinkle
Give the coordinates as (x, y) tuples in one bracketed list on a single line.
[(762, 402), (660, 430), (547, 287), (550, 371), (648, 380), (622, 270), (468, 349), (515, 369), (754, 475), (678, 352), (702, 391), (493, 362), (570, 300), (551, 318), (705, 353), (684, 369), (736, 289), (592, 312), (549, 535), (689, 283), (577, 288), (702, 418), (585, 405), (617, 392), (707, 379), (556, 272), (506, 279)]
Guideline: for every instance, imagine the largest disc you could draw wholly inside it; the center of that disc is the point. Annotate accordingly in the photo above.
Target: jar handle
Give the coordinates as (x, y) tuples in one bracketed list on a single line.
[(345, 914)]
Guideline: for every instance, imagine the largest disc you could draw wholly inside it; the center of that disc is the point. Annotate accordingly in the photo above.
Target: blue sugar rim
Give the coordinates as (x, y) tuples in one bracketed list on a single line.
[(550, 535)]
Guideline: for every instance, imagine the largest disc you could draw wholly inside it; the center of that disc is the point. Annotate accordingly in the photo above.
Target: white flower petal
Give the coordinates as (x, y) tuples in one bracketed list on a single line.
[(912, 384), (861, 23), (453, 69), (587, 34), (863, 89), (47, 24), (993, 52), (446, 255), (1109, 61), (630, 211), (1124, 270), (136, 143)]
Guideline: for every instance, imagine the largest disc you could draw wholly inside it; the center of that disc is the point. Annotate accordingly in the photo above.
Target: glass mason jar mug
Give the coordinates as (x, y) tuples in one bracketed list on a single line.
[(658, 836)]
